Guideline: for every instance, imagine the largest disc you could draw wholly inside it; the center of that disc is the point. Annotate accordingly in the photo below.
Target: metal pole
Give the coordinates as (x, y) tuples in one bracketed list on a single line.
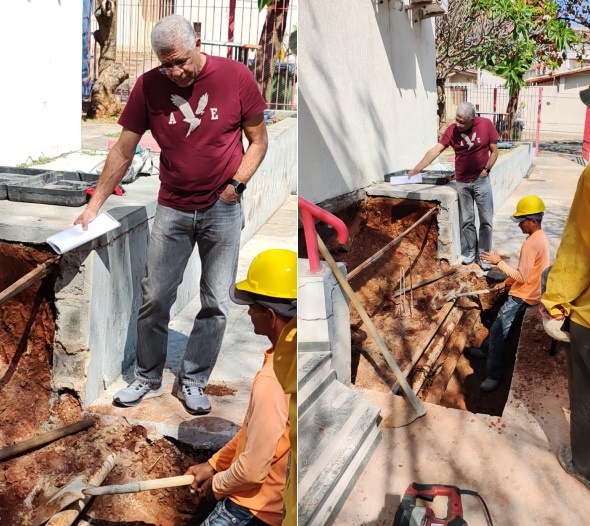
[(538, 122)]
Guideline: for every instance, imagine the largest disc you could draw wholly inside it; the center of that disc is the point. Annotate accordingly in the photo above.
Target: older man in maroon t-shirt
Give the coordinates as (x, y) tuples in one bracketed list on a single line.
[(196, 107), (475, 141)]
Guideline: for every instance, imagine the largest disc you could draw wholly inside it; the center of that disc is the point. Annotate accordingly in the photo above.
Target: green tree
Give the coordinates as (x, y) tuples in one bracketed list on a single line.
[(506, 37), (536, 34)]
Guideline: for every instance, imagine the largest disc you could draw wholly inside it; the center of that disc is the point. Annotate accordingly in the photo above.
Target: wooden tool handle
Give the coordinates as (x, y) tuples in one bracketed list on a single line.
[(144, 485), (478, 292), (45, 438), (28, 279)]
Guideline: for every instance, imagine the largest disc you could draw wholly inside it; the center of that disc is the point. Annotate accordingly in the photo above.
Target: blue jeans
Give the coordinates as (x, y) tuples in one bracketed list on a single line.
[(216, 232), (499, 333), (480, 192), (228, 513)]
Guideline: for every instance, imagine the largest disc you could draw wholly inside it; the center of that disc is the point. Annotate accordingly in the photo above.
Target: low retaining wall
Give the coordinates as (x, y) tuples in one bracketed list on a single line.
[(508, 172)]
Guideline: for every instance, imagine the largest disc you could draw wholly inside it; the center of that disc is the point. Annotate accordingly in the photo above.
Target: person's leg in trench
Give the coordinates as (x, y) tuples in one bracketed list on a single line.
[(171, 244), (499, 333), (485, 208), (218, 239), (467, 217), (228, 513), (579, 389)]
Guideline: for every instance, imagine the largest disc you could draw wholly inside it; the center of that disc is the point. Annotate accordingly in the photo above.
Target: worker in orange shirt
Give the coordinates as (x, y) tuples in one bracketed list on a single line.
[(248, 475), (524, 282)]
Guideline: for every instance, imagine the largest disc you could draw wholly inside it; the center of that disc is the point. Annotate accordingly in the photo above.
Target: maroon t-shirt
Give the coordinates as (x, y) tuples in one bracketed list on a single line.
[(471, 147), (198, 128)]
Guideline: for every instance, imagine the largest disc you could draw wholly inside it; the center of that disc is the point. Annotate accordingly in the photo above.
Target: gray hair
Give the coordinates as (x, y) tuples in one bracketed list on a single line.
[(466, 110), (172, 31)]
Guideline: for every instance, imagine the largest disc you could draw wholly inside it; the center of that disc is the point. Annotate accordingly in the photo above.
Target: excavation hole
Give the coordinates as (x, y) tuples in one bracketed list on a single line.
[(414, 324)]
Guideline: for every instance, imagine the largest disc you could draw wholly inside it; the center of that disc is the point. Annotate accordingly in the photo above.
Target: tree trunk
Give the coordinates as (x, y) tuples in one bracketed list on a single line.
[(270, 42), (110, 74), (441, 102), (509, 129)]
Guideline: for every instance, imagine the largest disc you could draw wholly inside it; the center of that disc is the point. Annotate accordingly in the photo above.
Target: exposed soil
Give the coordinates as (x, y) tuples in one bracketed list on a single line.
[(27, 326), (29, 480), (408, 324), (29, 407), (220, 390)]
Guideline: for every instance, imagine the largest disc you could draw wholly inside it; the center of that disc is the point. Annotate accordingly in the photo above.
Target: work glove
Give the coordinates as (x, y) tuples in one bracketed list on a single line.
[(553, 326)]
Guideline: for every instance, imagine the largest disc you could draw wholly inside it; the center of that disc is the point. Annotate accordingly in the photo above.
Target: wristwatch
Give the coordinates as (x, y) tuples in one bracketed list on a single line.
[(240, 187), (488, 170)]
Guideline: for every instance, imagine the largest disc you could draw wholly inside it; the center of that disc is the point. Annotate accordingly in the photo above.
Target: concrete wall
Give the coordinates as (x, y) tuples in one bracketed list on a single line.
[(99, 292), (41, 47), (324, 323), (367, 99), (507, 174), (563, 114)]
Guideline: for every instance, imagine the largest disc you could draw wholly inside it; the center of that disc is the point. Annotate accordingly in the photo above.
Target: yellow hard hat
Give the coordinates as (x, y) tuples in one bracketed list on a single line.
[(272, 273), (529, 205)]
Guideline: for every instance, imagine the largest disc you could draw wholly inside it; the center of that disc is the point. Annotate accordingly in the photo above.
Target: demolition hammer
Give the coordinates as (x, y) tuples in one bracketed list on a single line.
[(409, 514)]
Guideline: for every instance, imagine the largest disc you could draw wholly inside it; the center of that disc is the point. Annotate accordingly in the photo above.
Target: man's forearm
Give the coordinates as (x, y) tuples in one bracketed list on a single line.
[(112, 174), (251, 161), (430, 156)]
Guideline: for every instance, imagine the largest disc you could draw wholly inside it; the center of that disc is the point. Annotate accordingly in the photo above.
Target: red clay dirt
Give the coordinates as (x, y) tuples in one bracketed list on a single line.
[(28, 408), (372, 224)]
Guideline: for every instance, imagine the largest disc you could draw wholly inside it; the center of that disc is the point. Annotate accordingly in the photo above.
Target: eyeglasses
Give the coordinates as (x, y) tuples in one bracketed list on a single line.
[(462, 122), (168, 68)]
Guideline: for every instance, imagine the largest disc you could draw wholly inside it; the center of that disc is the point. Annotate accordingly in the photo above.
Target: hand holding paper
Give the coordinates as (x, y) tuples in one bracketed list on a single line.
[(76, 236)]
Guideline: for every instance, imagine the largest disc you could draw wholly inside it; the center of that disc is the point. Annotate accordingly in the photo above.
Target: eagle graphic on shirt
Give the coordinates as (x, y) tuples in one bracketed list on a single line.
[(186, 110), (469, 141)]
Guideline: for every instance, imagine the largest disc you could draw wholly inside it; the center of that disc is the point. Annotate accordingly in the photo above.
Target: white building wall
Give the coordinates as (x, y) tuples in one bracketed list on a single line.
[(41, 51), (562, 112), (367, 94)]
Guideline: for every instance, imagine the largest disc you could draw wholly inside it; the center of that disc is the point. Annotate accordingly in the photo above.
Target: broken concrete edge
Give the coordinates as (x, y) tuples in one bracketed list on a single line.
[(196, 438)]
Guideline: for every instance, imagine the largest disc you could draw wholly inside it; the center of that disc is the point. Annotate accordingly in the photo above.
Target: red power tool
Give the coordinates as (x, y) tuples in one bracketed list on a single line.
[(409, 514)]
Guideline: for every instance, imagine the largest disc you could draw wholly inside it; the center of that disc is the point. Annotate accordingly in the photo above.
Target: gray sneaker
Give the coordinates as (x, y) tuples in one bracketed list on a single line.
[(468, 259), (195, 400), (135, 392), (485, 266)]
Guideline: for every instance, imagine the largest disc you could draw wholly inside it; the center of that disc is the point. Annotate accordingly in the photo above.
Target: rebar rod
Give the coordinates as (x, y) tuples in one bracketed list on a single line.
[(389, 245)]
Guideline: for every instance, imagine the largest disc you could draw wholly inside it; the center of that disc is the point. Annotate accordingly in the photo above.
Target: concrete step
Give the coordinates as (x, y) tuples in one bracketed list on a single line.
[(314, 374), (339, 433)]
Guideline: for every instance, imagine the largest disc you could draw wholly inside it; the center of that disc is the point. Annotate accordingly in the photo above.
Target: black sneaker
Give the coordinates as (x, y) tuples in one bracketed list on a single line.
[(474, 352), (489, 384)]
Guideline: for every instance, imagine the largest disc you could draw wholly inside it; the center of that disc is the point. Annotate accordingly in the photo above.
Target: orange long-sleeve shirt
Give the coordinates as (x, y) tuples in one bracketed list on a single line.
[(252, 467), (525, 281)]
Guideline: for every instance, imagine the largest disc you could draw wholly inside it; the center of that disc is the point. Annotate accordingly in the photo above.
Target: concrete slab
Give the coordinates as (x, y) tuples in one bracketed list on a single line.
[(240, 357), (506, 460)]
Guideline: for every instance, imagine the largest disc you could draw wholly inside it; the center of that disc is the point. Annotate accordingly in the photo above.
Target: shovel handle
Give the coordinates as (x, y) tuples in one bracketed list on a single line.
[(478, 292), (144, 485)]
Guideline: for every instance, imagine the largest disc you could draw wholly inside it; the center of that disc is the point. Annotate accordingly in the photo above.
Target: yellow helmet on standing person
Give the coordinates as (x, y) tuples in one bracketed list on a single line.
[(529, 207), (271, 281)]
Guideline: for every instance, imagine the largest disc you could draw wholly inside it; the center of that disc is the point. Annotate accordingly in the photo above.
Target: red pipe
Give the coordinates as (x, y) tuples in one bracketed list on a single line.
[(231, 26), (309, 211)]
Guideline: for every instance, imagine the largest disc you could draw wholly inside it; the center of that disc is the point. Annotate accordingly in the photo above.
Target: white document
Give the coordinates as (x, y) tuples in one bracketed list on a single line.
[(403, 179), (74, 236)]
